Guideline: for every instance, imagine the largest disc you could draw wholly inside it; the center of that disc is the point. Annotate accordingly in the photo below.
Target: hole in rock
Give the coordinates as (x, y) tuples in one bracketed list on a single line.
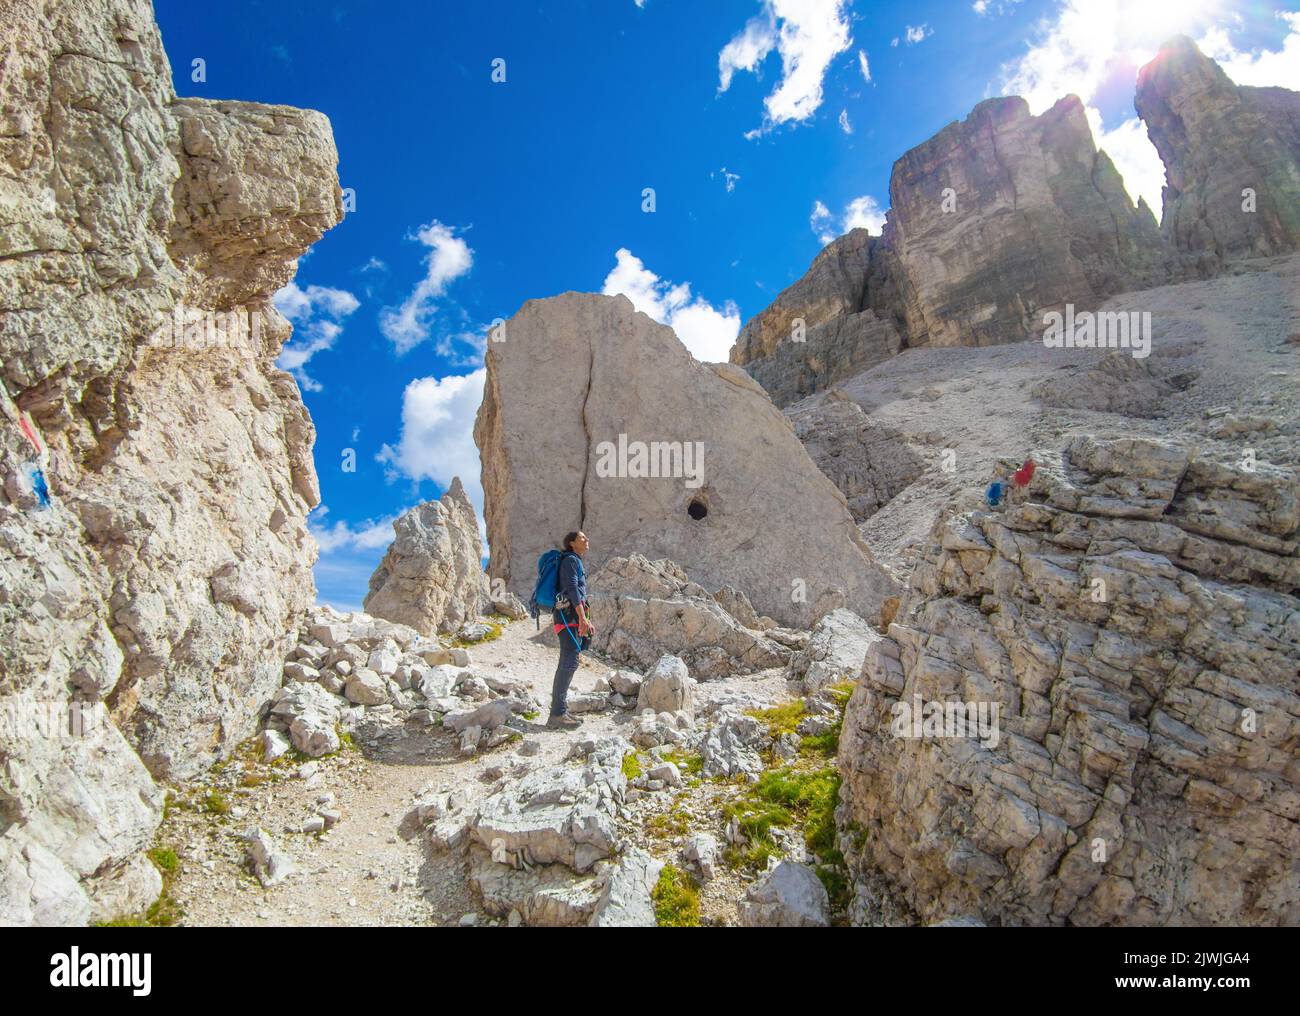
[(697, 509)]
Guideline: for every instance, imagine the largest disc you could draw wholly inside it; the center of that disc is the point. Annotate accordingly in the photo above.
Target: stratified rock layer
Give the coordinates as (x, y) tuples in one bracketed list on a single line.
[(575, 372), (836, 321), (432, 576), (995, 220), (1135, 619), (1231, 155), (868, 462), (166, 575), (1037, 217)]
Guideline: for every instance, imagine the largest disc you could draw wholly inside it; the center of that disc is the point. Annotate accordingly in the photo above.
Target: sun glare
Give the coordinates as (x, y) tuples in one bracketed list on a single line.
[(1145, 24)]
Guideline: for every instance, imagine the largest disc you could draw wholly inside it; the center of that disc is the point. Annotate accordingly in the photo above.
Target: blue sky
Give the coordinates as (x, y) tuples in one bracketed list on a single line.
[(473, 195)]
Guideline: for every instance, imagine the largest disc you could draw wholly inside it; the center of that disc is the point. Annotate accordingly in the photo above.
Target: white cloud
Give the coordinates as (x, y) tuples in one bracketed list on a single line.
[(746, 49), (820, 220), (918, 33), (1279, 67), (864, 211), (348, 557), (345, 536), (707, 331), (317, 313), (983, 7), (845, 125), (1131, 151), (448, 259), (437, 440), (808, 35), (728, 178), (864, 67), (1090, 44), (894, 42)]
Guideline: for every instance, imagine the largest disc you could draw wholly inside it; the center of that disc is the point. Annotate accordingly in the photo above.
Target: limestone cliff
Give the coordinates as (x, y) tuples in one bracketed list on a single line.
[(994, 221), (1231, 155), (1004, 216), (1133, 617), (834, 322), (1036, 218), (142, 239), (651, 452)]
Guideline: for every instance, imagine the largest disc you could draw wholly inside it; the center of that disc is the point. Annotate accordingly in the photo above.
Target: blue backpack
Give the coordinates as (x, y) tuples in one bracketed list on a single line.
[(548, 581), (546, 590)]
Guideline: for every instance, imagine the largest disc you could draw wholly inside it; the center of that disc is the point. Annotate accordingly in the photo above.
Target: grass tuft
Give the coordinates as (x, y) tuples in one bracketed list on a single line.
[(677, 904)]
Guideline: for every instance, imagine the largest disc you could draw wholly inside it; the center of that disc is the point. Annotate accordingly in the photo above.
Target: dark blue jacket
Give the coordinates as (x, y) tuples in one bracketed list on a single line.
[(572, 584)]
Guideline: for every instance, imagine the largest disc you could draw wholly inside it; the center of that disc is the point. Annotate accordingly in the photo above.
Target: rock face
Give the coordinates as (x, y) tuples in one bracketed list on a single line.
[(144, 237), (742, 504), (1037, 218), (644, 609), (1133, 616), (432, 576), (1219, 141), (835, 652), (834, 322), (994, 221), (868, 462)]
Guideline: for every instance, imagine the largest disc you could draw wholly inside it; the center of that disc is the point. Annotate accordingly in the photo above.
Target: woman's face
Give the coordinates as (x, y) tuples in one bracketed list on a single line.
[(580, 544)]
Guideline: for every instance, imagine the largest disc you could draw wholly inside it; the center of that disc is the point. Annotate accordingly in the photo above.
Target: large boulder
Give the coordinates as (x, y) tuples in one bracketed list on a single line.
[(1231, 155), (839, 643), (645, 609), (1132, 617), (144, 238), (557, 815), (432, 577), (726, 491), (789, 896)]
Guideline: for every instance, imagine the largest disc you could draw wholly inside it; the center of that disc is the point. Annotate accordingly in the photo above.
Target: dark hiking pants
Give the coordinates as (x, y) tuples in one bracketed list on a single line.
[(564, 672)]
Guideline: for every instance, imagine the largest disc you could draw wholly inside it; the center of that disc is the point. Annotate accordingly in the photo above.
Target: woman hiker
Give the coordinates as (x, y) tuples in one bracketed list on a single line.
[(571, 625)]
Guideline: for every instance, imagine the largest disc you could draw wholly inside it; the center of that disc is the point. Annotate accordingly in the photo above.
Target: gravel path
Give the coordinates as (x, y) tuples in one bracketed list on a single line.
[(370, 869)]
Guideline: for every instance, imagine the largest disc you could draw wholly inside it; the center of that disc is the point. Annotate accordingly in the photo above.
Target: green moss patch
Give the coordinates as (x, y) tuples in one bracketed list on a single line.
[(677, 904)]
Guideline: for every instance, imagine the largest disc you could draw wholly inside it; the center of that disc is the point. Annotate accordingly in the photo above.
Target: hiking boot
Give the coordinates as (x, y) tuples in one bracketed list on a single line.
[(564, 722)]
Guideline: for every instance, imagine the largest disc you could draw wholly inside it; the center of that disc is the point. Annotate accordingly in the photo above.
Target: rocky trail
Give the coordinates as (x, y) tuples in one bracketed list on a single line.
[(372, 864)]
